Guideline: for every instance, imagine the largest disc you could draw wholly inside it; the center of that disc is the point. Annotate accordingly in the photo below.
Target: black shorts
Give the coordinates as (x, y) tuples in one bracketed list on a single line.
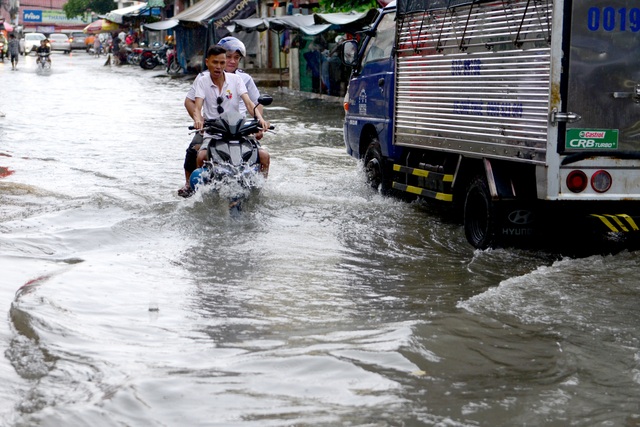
[(192, 153)]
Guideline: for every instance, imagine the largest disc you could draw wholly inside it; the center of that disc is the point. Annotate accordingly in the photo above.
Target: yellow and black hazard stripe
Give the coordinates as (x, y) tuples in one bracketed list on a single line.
[(618, 223), (437, 180)]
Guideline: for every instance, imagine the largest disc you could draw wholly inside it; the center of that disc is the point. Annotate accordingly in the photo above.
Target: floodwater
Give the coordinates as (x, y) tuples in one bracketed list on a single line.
[(323, 304)]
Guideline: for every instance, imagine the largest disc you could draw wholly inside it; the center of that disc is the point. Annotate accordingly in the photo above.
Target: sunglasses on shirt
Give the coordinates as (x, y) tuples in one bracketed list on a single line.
[(219, 101)]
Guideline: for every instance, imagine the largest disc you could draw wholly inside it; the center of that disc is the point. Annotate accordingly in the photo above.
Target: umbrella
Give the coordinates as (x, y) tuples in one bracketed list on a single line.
[(6, 26), (101, 26)]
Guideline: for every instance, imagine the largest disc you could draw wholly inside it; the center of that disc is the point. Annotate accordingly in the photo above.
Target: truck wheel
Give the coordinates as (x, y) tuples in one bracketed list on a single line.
[(479, 215), (374, 166)]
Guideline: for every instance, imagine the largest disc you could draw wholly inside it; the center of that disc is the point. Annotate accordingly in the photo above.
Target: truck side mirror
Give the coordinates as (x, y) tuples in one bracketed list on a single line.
[(349, 53)]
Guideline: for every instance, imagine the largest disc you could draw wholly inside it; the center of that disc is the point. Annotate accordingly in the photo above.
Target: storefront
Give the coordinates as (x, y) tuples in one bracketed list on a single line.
[(306, 46)]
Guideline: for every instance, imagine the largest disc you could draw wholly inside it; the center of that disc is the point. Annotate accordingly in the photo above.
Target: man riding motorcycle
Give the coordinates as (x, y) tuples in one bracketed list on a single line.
[(235, 50), (43, 52)]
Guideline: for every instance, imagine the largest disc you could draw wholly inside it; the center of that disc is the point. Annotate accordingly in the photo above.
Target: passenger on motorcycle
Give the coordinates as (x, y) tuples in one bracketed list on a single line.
[(217, 92), (235, 50), (43, 52)]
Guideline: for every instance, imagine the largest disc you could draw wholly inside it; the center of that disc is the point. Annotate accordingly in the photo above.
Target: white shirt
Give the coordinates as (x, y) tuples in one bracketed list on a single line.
[(232, 90), (252, 89)]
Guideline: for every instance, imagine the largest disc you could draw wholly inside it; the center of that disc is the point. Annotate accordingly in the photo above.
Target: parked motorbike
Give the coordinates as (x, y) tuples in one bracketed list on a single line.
[(173, 66), (151, 58), (232, 168), (134, 56)]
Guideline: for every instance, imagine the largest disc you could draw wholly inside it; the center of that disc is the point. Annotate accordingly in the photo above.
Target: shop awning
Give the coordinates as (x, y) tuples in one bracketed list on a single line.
[(346, 22), (201, 11), (307, 24), (118, 15), (162, 25), (302, 23), (292, 22), (249, 25)]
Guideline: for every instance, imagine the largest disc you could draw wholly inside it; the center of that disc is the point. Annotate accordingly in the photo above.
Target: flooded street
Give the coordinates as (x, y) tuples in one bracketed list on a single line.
[(324, 304)]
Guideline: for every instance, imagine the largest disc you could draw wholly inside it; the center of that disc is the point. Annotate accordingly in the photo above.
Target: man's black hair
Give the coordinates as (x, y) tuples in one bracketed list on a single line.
[(216, 50)]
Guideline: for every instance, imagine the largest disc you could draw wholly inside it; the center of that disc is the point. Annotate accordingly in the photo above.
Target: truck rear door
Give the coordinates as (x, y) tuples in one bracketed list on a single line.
[(604, 79)]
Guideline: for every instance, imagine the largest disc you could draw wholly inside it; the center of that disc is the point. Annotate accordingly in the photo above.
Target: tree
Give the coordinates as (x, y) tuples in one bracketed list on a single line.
[(75, 8), (329, 6)]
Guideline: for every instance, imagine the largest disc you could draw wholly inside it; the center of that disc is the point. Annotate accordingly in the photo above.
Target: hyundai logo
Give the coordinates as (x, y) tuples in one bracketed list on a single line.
[(521, 217)]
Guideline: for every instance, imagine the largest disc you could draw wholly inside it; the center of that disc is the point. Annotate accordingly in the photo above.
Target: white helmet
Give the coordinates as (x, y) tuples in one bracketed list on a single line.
[(234, 45)]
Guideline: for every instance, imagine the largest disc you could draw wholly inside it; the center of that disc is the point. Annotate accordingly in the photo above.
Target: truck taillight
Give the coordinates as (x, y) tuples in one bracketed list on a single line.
[(577, 181), (345, 105), (601, 181)]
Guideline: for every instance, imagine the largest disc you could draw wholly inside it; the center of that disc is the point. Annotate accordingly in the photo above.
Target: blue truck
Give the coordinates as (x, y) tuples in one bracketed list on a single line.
[(522, 117)]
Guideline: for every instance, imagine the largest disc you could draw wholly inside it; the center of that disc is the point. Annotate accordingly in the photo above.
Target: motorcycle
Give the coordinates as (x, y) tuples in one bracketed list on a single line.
[(133, 57), (151, 58), (232, 168), (173, 66), (42, 62)]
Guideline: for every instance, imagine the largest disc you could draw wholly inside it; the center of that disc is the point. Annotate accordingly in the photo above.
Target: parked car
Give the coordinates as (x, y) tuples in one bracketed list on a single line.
[(77, 39), (60, 41), (30, 42)]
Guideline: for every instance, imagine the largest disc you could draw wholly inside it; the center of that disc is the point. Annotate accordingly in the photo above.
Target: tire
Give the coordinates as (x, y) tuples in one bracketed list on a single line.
[(480, 222), (174, 67), (148, 63), (374, 167)]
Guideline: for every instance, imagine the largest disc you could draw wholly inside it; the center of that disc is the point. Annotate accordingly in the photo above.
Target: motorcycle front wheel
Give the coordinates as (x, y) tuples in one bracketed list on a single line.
[(174, 67), (148, 63)]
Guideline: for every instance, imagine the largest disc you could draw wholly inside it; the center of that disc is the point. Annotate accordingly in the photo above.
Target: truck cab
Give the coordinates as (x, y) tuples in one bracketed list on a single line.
[(368, 124)]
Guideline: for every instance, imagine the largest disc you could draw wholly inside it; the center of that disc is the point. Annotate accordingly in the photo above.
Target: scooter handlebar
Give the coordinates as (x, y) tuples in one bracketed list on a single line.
[(272, 127)]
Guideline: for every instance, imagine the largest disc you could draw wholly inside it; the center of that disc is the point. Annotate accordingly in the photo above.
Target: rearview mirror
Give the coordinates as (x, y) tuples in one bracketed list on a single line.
[(265, 100), (349, 53)]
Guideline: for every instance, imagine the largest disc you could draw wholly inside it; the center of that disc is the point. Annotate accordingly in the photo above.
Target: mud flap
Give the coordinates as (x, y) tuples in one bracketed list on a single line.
[(517, 223)]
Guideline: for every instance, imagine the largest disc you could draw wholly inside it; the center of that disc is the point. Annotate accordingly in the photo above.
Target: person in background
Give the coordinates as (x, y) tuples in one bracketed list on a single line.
[(235, 51), (96, 45), (116, 48), (5, 46), (14, 51)]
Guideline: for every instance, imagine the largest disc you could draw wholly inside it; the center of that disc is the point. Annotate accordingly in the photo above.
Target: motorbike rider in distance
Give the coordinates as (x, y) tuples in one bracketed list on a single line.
[(218, 92), (235, 51), (43, 52)]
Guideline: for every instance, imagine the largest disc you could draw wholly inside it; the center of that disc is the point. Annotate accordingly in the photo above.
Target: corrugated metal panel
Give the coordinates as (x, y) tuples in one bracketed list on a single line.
[(476, 79)]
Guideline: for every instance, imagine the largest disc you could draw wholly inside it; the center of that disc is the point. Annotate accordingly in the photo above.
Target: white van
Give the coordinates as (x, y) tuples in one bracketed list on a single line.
[(30, 42)]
